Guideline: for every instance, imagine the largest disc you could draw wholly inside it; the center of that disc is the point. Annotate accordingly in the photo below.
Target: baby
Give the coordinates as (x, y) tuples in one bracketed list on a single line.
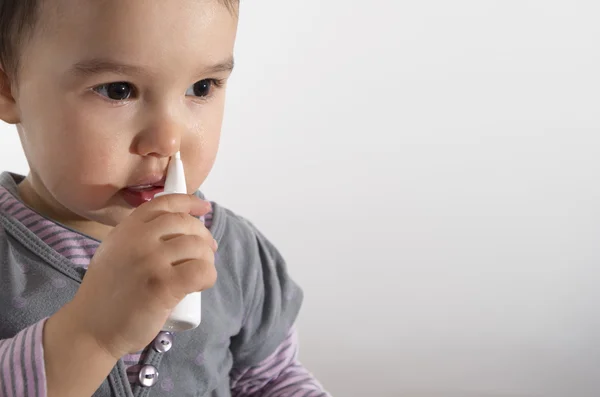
[(103, 95)]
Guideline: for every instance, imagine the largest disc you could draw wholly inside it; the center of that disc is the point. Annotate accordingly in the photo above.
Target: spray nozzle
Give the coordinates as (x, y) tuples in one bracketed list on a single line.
[(175, 181)]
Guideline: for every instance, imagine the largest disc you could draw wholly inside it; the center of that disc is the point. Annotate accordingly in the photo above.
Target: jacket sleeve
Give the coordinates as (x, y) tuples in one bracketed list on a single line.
[(279, 375), (22, 371), (272, 300)]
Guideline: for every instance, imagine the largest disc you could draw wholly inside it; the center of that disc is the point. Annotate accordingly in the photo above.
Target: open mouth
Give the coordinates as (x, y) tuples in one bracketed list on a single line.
[(141, 188), (140, 194)]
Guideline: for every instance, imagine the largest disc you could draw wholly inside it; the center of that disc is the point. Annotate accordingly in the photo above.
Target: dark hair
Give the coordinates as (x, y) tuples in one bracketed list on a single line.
[(17, 22)]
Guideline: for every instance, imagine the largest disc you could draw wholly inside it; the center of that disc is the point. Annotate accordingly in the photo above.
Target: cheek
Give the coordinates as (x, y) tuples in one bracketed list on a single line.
[(201, 148), (81, 148), (72, 150)]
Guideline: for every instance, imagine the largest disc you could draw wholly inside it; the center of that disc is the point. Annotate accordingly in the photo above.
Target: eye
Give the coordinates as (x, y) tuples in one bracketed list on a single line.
[(120, 91), (202, 88)]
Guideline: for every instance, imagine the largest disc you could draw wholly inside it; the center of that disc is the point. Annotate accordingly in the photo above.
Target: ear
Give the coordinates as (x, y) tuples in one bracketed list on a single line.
[(8, 106)]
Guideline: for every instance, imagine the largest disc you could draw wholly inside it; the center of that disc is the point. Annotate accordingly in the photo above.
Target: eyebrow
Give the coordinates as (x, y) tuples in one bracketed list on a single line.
[(226, 66), (101, 65)]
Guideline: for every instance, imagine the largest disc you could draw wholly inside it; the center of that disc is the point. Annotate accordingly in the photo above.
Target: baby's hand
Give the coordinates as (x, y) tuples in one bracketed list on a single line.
[(142, 270)]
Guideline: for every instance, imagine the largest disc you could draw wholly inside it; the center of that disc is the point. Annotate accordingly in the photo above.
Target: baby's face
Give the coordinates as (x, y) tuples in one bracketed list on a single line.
[(109, 90)]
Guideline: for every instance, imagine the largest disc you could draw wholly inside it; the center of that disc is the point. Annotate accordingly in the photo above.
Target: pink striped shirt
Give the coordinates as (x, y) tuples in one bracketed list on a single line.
[(22, 370)]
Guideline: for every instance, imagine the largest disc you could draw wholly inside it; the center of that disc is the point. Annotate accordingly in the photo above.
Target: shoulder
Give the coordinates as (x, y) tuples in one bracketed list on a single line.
[(249, 254), (232, 229), (241, 253)]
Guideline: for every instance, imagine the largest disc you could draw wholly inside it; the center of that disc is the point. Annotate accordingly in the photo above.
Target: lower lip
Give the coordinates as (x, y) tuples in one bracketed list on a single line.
[(135, 198)]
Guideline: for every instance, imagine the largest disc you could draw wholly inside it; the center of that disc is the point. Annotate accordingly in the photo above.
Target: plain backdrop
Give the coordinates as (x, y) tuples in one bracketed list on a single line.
[(430, 171)]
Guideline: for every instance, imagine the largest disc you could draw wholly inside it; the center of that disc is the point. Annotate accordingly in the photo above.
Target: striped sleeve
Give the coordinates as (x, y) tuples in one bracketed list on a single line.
[(22, 372), (279, 375)]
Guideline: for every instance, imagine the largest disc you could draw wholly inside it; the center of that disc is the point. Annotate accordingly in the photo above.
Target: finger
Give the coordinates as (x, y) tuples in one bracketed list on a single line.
[(184, 203), (195, 275), (170, 225), (188, 247)]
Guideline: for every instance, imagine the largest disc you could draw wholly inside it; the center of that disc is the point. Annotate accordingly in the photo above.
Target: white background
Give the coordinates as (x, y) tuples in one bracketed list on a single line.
[(430, 170)]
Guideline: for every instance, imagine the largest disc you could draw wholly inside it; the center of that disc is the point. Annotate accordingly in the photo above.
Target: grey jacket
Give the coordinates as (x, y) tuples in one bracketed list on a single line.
[(245, 316)]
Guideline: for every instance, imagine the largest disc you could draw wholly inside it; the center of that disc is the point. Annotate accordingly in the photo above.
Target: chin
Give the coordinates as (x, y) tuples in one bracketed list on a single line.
[(110, 216)]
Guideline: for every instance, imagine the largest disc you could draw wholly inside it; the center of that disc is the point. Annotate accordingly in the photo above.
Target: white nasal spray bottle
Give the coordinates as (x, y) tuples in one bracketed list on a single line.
[(188, 313)]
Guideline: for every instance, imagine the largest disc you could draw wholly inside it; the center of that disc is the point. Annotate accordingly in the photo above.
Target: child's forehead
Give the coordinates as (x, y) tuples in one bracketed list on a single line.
[(132, 18), (155, 14), (141, 29)]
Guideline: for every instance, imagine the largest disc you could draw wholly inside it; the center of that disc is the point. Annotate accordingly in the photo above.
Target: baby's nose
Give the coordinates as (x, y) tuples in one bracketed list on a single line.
[(162, 138)]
